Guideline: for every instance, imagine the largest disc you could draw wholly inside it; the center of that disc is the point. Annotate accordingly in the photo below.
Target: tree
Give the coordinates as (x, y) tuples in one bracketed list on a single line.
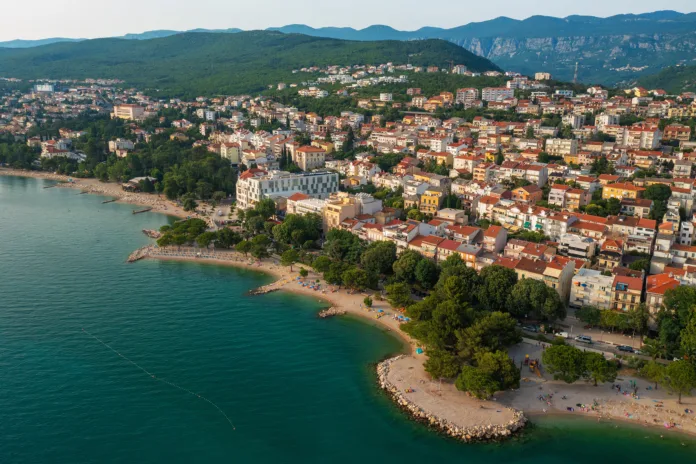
[(493, 332), (589, 314), (496, 284), (565, 362), (427, 274), (399, 295), (654, 348), (642, 264), (688, 338), (321, 264), (189, 203), (599, 369), (654, 372), (405, 267), (205, 239), (681, 377), (500, 367), (379, 257), (259, 246), (533, 297), (477, 382), (442, 364), (356, 279), (367, 301), (289, 257), (304, 272), (243, 247), (639, 319)]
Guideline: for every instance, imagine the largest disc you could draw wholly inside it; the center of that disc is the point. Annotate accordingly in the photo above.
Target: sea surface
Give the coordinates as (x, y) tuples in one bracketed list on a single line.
[(295, 388)]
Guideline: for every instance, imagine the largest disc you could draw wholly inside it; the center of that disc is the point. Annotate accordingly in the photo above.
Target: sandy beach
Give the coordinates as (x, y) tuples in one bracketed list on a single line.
[(158, 203)]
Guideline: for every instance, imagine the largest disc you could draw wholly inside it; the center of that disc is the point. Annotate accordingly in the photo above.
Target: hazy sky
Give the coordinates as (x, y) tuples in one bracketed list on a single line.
[(34, 19)]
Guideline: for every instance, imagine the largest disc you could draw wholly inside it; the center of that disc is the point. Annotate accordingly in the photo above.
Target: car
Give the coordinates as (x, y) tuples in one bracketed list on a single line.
[(625, 348), (563, 335), (530, 328), (584, 339)]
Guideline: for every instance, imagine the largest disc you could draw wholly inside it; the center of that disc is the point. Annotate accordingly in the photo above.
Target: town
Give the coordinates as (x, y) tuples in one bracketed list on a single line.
[(589, 191)]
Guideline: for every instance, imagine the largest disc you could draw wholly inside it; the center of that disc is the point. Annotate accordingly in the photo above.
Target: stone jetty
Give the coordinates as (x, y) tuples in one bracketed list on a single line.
[(263, 290), (152, 233), (475, 433), (139, 254), (331, 312)]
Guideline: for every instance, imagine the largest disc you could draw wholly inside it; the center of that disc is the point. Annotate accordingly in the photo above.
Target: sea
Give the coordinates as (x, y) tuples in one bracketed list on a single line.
[(164, 362)]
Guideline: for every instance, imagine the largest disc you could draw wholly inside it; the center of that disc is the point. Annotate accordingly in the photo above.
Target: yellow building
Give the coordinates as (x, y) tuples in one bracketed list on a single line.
[(339, 206), (431, 200), (328, 147), (571, 158), (622, 190)]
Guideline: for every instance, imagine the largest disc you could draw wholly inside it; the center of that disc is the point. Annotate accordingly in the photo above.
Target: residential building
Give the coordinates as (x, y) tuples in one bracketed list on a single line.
[(576, 246), (561, 147), (309, 157), (494, 239), (591, 288), (255, 185), (128, 112), (626, 293), (655, 288), (621, 191)]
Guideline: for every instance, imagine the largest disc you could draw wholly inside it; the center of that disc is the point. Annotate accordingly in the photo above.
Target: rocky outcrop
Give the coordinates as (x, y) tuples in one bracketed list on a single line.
[(152, 233), (139, 254), (466, 434), (331, 312)]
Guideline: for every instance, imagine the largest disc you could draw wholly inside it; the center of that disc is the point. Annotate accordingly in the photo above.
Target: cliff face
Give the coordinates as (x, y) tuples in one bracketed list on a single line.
[(604, 59)]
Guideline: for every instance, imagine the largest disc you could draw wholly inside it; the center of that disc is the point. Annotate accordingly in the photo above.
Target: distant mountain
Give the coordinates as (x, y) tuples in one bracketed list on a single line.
[(18, 43), (610, 50), (190, 64), (675, 80)]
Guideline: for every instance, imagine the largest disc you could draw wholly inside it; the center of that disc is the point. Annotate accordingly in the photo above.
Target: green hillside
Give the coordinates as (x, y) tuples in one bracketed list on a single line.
[(675, 79), (207, 63)]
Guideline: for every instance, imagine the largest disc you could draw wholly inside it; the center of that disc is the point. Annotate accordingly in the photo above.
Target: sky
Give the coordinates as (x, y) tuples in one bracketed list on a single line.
[(36, 19)]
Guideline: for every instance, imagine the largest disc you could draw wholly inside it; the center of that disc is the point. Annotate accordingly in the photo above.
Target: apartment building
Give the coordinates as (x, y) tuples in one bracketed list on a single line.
[(561, 147), (576, 246), (128, 112), (591, 288), (255, 185), (497, 93), (309, 157), (626, 293)]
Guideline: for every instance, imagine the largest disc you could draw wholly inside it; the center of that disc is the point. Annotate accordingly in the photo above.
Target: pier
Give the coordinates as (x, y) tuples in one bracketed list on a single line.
[(109, 201), (138, 211)]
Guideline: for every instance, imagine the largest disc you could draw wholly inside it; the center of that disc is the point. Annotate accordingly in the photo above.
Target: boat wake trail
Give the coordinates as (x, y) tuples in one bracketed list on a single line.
[(160, 379)]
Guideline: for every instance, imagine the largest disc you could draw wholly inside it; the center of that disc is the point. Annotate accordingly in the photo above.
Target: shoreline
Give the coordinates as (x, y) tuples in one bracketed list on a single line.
[(157, 202), (400, 375), (441, 406)]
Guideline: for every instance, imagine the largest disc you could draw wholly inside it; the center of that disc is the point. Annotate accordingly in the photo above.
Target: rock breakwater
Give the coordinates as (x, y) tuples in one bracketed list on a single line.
[(331, 312), (474, 433)]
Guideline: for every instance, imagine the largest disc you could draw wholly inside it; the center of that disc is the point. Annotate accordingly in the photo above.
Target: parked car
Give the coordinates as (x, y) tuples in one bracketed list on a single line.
[(530, 328), (563, 335), (584, 339), (625, 348)]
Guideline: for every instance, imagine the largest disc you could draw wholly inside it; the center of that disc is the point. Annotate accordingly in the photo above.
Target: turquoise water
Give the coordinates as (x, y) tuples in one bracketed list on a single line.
[(298, 389)]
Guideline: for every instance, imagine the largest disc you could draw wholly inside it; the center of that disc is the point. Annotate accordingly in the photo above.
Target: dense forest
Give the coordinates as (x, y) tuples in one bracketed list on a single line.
[(675, 79), (188, 65)]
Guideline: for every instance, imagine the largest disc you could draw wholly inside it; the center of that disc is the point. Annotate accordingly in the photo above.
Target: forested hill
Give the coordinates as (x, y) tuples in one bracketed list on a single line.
[(207, 63), (675, 79)]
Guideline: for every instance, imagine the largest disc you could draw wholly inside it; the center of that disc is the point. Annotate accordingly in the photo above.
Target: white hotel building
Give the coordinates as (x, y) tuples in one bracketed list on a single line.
[(252, 188)]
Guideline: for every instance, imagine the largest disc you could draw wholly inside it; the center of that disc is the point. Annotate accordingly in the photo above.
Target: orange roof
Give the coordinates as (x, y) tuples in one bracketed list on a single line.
[(298, 196), (493, 231), (660, 283), (634, 283)]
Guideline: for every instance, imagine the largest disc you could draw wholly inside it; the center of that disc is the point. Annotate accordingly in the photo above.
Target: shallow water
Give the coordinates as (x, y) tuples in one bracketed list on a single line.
[(297, 388)]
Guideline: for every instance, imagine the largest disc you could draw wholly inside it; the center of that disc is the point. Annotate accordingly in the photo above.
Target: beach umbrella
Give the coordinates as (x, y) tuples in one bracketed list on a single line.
[(419, 351)]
